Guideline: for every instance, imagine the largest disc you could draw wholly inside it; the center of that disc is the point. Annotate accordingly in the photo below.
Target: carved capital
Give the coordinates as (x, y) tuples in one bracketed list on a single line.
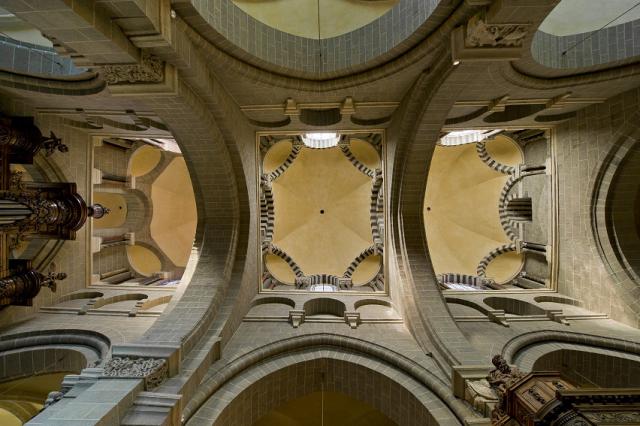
[(153, 370)]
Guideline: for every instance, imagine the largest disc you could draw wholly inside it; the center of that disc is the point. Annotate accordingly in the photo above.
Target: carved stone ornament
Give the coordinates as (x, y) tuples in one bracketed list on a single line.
[(149, 70), (54, 397), (614, 417), (500, 379), (482, 34), (153, 370)]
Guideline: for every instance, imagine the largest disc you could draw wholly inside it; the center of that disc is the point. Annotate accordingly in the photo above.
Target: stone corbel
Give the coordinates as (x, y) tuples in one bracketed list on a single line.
[(90, 121), (558, 316), (498, 104), (296, 317), (480, 40), (470, 383), (498, 316), (291, 107), (348, 107), (352, 318), (558, 102)]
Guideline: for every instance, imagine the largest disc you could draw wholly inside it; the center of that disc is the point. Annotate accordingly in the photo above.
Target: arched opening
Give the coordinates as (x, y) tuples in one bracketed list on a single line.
[(514, 306), (330, 408), (295, 380), (324, 306), (592, 367), (623, 207), (22, 399)]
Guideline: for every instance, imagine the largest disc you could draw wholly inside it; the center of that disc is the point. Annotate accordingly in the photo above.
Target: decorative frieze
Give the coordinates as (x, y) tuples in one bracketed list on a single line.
[(149, 70), (153, 370)]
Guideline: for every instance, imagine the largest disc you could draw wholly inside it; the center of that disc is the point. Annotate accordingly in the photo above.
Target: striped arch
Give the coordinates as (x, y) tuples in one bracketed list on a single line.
[(482, 266), (370, 251), (267, 211), (376, 211), (275, 250), (344, 147), (463, 282), (481, 149), (295, 150), (505, 220)]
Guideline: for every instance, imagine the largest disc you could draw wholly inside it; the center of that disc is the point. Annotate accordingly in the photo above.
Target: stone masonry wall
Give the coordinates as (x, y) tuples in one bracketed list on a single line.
[(582, 145)]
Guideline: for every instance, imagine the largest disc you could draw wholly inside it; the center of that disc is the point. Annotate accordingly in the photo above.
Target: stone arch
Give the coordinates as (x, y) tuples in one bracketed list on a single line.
[(468, 303), (557, 299), (372, 308), (272, 306), (612, 248), (412, 141), (339, 375), (324, 306), (35, 361), (592, 362), (275, 300), (366, 302), (515, 347), (101, 302), (87, 83), (90, 346), (274, 359), (150, 303), (81, 295), (33, 364), (514, 306), (584, 365)]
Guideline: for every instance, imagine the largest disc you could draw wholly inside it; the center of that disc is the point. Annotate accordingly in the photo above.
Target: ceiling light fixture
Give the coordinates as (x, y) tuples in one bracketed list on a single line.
[(321, 139), (462, 137)]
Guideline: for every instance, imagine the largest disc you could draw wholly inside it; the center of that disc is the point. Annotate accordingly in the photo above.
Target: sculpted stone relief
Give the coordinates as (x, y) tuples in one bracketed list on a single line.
[(482, 34), (149, 70), (153, 370)]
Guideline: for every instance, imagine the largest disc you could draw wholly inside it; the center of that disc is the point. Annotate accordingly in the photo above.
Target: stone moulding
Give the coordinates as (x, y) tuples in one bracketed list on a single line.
[(153, 370)]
